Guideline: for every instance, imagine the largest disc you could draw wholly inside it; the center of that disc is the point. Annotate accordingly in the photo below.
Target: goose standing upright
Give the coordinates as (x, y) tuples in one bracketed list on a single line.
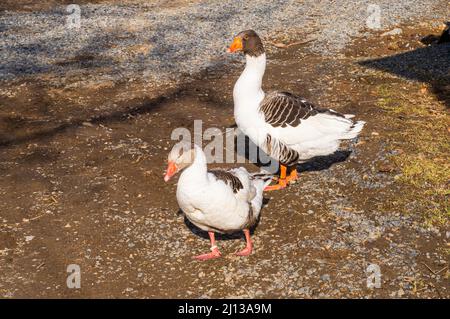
[(288, 128), (223, 201)]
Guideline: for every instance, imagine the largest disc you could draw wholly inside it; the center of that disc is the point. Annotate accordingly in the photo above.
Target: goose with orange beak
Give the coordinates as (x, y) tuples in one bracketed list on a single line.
[(287, 127), (216, 201)]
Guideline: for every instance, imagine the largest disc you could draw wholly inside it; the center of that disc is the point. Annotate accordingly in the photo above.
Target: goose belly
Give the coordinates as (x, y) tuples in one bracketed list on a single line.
[(213, 209), (307, 140)]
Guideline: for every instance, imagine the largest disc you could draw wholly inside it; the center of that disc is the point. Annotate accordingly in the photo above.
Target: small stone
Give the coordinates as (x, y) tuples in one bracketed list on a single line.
[(325, 277), (304, 290), (386, 168), (201, 274), (309, 272), (396, 31), (280, 45), (393, 46), (29, 238), (423, 90)]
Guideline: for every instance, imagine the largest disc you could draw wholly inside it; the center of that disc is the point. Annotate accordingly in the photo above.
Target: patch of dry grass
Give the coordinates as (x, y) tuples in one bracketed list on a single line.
[(422, 127)]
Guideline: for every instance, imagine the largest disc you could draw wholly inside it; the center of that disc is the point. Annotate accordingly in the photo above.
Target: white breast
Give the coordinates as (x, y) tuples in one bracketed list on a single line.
[(210, 204)]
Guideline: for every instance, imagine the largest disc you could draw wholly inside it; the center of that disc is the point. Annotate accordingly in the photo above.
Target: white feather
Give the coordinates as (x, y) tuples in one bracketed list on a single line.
[(211, 204), (317, 135)]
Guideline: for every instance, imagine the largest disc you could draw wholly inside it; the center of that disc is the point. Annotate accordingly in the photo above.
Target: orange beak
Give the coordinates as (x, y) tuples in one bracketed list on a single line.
[(236, 46), (171, 170)]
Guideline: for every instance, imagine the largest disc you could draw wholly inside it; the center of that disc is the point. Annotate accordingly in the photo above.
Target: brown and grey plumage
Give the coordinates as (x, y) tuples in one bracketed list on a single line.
[(229, 178), (279, 150), (284, 108)]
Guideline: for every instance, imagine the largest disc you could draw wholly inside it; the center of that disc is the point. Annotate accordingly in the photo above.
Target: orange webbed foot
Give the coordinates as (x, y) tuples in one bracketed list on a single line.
[(215, 253), (281, 184), (293, 176)]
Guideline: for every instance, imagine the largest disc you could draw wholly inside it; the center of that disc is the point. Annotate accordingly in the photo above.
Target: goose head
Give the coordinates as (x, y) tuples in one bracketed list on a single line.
[(247, 42), (181, 156)]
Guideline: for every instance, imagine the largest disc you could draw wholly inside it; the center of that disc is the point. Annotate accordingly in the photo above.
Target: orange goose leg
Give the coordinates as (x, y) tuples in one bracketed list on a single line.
[(293, 175), (215, 253), (282, 183), (249, 247)]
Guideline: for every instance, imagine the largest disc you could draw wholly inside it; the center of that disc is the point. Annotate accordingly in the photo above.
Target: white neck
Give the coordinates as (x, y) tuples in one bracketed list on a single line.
[(248, 86), (197, 171)]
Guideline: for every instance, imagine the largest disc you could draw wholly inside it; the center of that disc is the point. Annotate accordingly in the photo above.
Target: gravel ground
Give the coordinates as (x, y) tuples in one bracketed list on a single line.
[(82, 166), (162, 41)]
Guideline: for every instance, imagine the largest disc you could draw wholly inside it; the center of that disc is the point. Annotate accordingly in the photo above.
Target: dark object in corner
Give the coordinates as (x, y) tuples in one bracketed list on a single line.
[(443, 38)]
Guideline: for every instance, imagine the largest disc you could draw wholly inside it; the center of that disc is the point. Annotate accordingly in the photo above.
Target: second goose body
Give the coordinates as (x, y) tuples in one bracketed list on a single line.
[(287, 127)]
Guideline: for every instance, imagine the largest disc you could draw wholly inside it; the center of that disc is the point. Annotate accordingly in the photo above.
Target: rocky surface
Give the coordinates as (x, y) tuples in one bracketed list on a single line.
[(85, 130), (159, 41)]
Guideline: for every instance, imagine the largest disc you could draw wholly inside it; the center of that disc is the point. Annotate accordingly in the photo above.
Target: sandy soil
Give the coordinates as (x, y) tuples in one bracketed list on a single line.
[(82, 170)]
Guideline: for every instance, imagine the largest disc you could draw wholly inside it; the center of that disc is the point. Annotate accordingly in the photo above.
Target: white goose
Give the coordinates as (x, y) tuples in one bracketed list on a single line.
[(216, 200), (287, 127)]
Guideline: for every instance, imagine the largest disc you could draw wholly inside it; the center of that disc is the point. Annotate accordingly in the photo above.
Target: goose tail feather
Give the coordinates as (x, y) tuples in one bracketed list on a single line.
[(354, 130)]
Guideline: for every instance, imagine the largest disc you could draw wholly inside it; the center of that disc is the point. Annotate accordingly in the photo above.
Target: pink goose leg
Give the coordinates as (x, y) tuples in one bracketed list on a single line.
[(248, 248), (215, 253)]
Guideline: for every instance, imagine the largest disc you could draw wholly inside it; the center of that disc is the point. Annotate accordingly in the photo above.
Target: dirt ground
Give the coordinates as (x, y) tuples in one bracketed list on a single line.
[(82, 183)]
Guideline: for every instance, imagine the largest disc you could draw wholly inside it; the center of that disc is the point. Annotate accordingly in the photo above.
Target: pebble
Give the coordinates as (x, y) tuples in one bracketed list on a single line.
[(325, 277), (159, 48), (273, 272), (309, 272), (396, 31)]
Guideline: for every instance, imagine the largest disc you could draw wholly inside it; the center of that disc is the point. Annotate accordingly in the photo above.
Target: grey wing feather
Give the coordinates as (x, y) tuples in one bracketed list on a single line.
[(229, 178), (284, 108), (280, 151)]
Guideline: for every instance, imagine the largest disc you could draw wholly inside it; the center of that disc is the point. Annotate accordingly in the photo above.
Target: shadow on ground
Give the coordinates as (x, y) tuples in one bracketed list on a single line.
[(19, 128), (148, 106), (430, 65), (203, 234), (317, 163)]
